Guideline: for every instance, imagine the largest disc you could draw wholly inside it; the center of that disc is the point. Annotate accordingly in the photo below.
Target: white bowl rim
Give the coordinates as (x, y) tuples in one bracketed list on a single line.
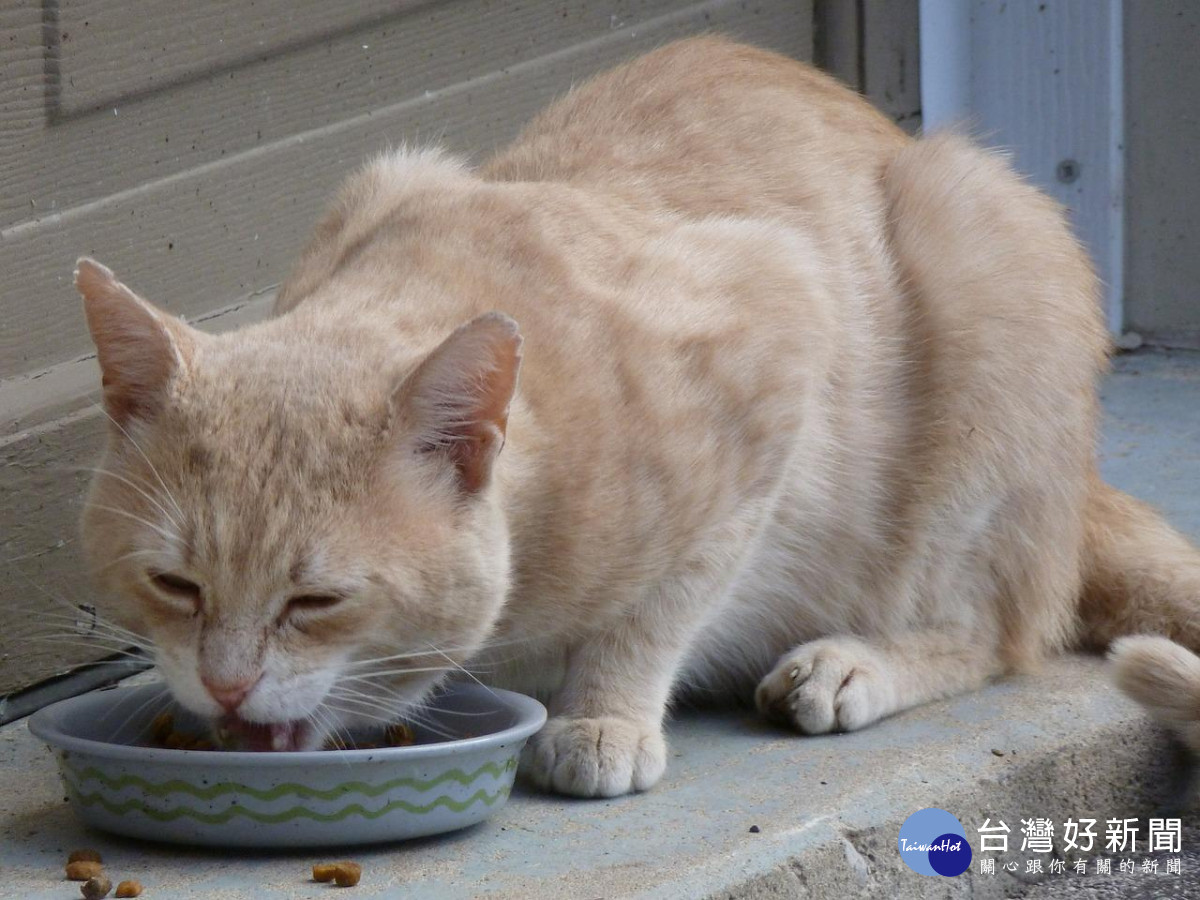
[(46, 724)]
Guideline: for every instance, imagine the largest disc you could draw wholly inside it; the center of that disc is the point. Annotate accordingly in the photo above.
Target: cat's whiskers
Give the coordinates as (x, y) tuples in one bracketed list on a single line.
[(130, 482), (97, 623), (372, 678), (405, 706), (393, 707), (465, 713), (162, 698), (33, 554), (356, 714), (426, 708), (85, 622), (339, 730), (383, 689), (388, 673), (359, 709), (326, 725), (379, 694), (124, 556), (413, 654), (113, 655), (101, 636), (113, 645), (395, 657), (165, 533), (76, 611), (339, 691), (153, 469), (109, 645), (460, 668), (377, 680), (370, 712)]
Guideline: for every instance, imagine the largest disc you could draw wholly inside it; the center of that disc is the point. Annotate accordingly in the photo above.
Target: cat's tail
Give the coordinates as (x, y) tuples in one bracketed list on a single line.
[(1165, 678), (1142, 600)]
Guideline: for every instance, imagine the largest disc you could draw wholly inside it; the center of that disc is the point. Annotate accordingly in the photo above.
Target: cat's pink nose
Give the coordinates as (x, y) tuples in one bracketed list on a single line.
[(229, 695)]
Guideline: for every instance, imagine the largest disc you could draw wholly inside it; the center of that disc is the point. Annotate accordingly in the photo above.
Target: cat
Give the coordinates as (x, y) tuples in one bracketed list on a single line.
[(713, 384)]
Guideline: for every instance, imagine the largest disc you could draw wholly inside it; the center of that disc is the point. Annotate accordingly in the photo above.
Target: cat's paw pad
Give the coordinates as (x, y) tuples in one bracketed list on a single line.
[(602, 757), (834, 684)]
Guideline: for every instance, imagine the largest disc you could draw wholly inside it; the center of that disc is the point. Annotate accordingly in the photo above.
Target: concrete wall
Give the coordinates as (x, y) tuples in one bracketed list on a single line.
[(872, 46), (1162, 109)]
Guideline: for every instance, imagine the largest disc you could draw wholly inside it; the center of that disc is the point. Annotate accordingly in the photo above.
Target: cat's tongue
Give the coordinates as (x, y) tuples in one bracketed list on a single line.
[(266, 736)]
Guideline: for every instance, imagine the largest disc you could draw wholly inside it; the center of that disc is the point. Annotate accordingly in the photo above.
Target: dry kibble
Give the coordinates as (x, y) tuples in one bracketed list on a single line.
[(346, 874), (165, 735), (82, 870), (324, 871), (400, 735), (163, 725), (85, 856), (96, 888), (129, 889)]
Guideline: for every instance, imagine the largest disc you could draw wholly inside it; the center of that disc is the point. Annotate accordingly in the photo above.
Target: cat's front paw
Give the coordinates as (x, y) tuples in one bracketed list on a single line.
[(602, 757), (833, 684)]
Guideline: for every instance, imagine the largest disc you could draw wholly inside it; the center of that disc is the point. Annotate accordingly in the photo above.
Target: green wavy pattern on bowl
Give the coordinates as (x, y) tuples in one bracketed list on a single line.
[(301, 791), (288, 815)]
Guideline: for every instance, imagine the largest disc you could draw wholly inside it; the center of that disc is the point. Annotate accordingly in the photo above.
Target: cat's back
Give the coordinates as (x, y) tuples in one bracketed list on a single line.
[(701, 128), (709, 126)]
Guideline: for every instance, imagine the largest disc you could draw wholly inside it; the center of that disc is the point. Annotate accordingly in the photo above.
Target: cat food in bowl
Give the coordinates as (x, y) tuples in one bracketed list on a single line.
[(118, 781)]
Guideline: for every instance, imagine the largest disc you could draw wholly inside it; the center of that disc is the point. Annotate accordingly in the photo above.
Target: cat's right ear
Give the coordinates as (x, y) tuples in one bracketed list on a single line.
[(455, 405), (139, 348)]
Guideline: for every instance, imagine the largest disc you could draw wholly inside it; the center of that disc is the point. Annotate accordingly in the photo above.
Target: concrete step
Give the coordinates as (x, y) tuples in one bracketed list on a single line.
[(827, 810)]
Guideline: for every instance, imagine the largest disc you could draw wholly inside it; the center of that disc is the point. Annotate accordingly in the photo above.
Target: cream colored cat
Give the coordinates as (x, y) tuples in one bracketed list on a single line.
[(778, 403)]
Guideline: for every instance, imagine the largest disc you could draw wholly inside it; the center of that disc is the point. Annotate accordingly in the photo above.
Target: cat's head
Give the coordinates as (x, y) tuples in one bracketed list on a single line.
[(276, 510)]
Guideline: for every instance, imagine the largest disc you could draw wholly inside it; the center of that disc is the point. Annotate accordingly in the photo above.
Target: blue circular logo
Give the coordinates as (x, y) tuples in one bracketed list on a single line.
[(933, 842)]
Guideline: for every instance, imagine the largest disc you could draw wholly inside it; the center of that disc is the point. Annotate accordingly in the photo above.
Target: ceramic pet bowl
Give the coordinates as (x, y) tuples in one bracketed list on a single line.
[(320, 798)]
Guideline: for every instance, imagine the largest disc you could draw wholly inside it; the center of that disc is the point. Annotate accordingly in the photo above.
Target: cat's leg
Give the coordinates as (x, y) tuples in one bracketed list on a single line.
[(845, 682), (605, 735)]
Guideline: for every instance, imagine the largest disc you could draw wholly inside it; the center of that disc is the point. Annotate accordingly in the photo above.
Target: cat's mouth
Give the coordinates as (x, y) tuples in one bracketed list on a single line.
[(262, 737)]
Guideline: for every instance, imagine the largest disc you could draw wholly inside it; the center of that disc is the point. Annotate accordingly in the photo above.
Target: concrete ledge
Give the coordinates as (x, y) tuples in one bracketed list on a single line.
[(828, 810)]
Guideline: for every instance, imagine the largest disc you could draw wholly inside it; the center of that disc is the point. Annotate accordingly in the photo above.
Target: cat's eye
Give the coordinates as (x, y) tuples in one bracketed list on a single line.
[(176, 586), (313, 602)]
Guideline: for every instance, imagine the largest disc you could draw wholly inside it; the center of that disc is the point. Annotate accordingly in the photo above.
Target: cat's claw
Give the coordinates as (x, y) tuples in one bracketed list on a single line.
[(602, 757), (833, 684)]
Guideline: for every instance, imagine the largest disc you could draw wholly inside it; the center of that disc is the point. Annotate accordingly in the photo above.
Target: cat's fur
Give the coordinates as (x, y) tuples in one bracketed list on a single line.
[(806, 413), (1165, 678)]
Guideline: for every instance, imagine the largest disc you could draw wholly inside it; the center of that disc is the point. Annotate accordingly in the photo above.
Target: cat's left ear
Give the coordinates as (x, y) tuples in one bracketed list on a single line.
[(456, 402), (139, 348)]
